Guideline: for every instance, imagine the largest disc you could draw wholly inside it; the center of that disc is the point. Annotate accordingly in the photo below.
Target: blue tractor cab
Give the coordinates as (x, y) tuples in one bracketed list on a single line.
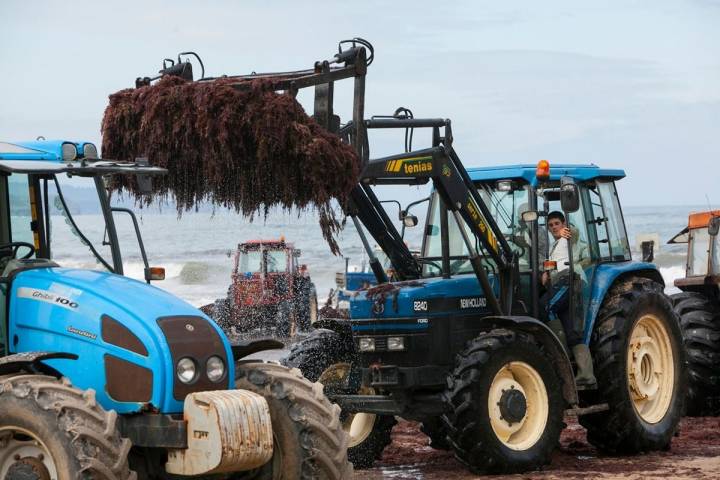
[(106, 377), (492, 332)]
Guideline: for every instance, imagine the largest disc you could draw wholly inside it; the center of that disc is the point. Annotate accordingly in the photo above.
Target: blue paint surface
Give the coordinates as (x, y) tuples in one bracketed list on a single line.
[(580, 173), (50, 326), (403, 304), (48, 150), (603, 278)]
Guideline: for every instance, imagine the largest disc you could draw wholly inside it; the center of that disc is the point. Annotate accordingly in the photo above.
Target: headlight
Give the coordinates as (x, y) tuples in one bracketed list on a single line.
[(366, 344), (396, 343), (215, 369), (186, 370)]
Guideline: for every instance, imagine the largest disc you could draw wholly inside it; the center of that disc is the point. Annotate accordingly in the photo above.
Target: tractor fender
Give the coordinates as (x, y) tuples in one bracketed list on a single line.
[(605, 276), (550, 344), (30, 361), (245, 348)]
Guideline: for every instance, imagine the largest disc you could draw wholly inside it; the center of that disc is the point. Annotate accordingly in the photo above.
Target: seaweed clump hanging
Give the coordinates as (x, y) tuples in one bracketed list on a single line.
[(247, 149)]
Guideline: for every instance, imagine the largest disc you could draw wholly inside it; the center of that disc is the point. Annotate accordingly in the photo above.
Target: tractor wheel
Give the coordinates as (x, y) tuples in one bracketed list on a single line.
[(640, 367), (700, 325), (505, 406), (436, 431), (222, 314), (328, 357), (49, 429), (309, 442)]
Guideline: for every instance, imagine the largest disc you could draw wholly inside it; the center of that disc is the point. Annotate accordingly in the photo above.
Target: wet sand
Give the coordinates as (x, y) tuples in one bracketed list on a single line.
[(694, 454)]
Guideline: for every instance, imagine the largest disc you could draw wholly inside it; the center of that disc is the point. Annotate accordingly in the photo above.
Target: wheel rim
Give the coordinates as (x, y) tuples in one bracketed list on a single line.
[(518, 433), (650, 368), (20, 444), (358, 426)]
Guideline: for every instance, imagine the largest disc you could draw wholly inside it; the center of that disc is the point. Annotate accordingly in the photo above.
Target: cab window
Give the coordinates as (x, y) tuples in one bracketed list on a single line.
[(619, 245), (20, 209), (698, 254)]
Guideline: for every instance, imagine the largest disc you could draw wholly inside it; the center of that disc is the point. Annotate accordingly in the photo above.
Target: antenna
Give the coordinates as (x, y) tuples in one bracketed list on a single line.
[(707, 199)]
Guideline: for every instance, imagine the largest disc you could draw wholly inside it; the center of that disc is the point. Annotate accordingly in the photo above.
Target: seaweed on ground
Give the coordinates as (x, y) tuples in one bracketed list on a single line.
[(248, 149)]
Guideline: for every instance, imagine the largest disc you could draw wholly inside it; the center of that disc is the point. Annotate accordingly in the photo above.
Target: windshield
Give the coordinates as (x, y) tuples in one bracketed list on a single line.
[(276, 261), (77, 226), (505, 207), (252, 261)]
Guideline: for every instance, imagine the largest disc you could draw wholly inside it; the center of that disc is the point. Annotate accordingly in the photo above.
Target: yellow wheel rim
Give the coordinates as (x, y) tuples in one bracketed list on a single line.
[(358, 426), (523, 433), (17, 443), (650, 368)]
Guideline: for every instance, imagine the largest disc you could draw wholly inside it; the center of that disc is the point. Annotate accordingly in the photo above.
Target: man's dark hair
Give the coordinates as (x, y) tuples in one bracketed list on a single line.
[(556, 214)]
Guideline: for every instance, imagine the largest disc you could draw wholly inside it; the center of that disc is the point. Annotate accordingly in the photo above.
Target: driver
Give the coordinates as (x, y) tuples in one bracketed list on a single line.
[(554, 304)]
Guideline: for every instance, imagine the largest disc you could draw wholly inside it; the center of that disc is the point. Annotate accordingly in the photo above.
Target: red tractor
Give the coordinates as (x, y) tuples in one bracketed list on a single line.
[(270, 291)]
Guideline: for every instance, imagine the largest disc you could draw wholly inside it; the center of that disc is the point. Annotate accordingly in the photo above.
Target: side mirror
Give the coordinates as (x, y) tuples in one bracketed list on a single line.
[(569, 195), (647, 243), (529, 216), (714, 226), (410, 221), (296, 252), (648, 251)]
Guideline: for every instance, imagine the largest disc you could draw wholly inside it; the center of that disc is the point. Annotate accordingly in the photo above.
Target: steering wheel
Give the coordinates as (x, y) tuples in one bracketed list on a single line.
[(17, 246)]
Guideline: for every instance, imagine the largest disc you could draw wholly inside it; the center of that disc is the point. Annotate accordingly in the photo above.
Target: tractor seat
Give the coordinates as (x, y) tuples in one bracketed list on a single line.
[(15, 264)]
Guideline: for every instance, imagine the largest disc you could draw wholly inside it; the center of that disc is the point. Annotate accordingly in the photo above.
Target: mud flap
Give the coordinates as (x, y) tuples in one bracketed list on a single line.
[(228, 431)]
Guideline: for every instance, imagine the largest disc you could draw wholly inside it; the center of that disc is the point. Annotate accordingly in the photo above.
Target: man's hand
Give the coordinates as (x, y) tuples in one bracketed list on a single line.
[(566, 233), (545, 278)]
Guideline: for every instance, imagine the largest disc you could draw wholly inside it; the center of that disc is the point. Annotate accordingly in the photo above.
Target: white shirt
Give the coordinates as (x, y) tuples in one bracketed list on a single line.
[(559, 253)]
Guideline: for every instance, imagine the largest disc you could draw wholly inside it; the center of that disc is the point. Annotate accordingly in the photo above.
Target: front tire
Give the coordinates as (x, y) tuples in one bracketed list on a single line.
[(700, 325), (639, 364), (50, 429), (505, 407), (309, 442), (328, 357)]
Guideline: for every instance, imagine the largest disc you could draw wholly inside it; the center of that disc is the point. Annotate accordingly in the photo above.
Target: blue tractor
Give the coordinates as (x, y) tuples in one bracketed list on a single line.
[(455, 340), (107, 378)]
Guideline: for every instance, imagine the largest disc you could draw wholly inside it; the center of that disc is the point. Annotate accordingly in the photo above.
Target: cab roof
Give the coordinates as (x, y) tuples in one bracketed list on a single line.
[(526, 172), (63, 156)]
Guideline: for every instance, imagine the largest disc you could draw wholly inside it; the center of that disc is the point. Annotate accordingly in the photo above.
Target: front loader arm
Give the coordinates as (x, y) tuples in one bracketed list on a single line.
[(441, 165)]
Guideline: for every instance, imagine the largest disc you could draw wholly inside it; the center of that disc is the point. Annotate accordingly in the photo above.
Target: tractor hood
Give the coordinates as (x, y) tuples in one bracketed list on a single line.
[(128, 336), (423, 298)]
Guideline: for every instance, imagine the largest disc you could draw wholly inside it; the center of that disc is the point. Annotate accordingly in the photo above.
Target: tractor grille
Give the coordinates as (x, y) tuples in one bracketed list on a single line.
[(193, 337)]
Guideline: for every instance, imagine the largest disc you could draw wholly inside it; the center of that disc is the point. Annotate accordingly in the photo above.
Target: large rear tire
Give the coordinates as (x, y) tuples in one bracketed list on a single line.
[(49, 429), (700, 325), (505, 406), (328, 357), (640, 367), (309, 442)]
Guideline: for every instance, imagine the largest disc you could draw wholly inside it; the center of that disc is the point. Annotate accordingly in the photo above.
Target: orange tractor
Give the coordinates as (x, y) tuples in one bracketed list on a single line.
[(270, 292), (698, 306)]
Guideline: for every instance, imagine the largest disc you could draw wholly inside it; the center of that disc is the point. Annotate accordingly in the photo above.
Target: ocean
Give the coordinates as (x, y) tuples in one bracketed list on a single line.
[(195, 249)]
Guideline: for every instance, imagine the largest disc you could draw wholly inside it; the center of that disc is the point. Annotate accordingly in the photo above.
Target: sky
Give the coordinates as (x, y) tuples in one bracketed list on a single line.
[(620, 83)]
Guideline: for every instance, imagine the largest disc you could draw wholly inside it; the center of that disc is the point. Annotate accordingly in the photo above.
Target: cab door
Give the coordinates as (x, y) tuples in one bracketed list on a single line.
[(607, 236), (18, 223)]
